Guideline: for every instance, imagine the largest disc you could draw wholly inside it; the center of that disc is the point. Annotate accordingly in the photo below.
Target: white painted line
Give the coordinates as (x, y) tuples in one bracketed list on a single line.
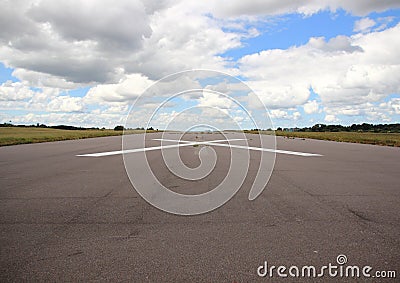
[(249, 147), (189, 143), (199, 141), (134, 150), (266, 149)]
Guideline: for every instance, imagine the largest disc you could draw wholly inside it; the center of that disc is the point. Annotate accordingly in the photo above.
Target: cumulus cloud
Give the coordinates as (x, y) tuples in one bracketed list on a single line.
[(18, 96), (100, 42), (338, 44), (261, 7), (120, 48), (393, 106), (61, 118), (278, 113), (284, 114), (214, 100), (279, 94), (383, 22), (11, 91), (129, 88), (113, 26), (331, 118), (311, 107), (44, 80), (214, 117), (88, 44), (342, 71), (65, 104), (183, 38), (364, 25)]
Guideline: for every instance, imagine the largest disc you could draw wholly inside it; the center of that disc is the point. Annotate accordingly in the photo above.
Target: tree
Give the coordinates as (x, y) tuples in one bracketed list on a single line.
[(119, 128)]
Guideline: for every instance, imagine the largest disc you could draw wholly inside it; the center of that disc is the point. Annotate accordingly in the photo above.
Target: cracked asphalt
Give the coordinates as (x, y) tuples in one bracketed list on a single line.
[(69, 218)]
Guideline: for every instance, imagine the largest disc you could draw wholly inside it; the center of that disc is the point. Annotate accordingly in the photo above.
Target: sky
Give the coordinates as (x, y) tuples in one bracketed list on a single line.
[(85, 63)]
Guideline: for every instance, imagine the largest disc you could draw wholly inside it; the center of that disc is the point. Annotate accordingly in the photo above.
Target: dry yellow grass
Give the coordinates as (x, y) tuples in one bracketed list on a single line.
[(387, 139), (20, 135)]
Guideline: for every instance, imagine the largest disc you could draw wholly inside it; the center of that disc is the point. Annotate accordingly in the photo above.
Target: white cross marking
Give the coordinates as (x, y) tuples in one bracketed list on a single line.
[(182, 143)]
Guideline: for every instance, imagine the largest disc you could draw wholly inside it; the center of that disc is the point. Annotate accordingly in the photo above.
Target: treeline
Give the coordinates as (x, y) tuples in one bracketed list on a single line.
[(365, 127), (121, 128), (67, 127), (60, 127)]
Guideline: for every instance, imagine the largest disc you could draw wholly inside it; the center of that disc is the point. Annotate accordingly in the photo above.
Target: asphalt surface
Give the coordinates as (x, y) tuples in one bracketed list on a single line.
[(69, 218)]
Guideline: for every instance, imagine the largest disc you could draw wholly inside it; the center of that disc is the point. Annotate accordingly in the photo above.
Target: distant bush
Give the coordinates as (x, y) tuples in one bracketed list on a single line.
[(6, 125), (365, 127), (119, 128)]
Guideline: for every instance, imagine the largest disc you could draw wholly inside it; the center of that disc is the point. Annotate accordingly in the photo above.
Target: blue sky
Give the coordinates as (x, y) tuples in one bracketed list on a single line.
[(6, 74), (307, 63), (294, 29)]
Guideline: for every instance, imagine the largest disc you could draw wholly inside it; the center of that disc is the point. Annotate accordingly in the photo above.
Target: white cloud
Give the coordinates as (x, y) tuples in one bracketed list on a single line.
[(65, 104), (383, 22), (113, 26), (395, 105), (276, 94), (185, 120), (343, 71), (311, 107), (338, 44), (11, 91), (183, 38), (236, 8), (391, 107), (120, 48), (81, 42), (129, 88), (43, 80), (364, 25), (18, 96), (331, 118), (383, 112), (282, 114), (296, 115), (215, 100), (100, 42), (78, 119)]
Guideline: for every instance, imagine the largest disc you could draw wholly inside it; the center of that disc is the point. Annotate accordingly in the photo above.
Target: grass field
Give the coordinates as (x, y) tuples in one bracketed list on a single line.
[(19, 135), (387, 139)]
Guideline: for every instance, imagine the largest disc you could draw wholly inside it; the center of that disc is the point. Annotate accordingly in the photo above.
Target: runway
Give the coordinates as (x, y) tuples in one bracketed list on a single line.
[(65, 217)]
